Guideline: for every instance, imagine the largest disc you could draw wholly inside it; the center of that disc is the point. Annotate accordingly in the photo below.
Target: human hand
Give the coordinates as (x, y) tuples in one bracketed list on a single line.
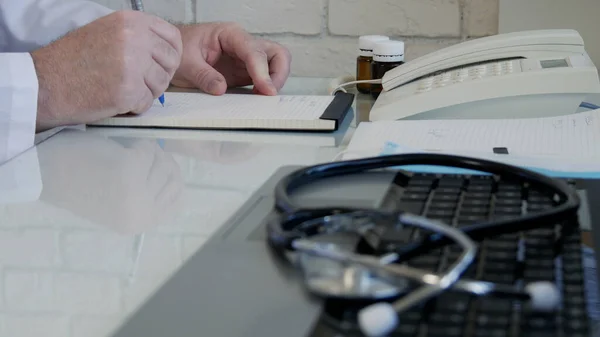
[(221, 55), (114, 65)]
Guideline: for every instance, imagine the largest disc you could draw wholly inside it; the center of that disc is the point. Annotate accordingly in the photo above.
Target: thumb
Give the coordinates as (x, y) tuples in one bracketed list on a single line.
[(207, 78)]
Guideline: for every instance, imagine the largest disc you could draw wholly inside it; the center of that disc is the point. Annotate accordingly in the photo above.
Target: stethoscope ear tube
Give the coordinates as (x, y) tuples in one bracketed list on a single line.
[(568, 200)]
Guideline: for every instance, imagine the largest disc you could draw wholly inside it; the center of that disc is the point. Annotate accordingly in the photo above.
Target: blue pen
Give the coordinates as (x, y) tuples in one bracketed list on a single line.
[(137, 5)]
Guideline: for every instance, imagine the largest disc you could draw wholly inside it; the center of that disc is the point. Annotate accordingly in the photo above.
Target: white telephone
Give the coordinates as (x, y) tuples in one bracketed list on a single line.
[(524, 74)]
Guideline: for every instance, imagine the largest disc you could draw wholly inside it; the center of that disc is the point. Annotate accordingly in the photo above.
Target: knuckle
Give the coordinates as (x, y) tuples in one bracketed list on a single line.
[(174, 57), (261, 53), (125, 17), (165, 79), (120, 16), (178, 38), (201, 76)]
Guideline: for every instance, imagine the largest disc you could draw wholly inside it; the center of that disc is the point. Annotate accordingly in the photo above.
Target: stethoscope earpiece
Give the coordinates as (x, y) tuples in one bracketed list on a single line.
[(544, 296), (378, 319)]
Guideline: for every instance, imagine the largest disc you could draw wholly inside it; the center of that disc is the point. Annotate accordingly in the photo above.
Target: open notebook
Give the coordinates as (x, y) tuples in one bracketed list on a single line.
[(195, 110)]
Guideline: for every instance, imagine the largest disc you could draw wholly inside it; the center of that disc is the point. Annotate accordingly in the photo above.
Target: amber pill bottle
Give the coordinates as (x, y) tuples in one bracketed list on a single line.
[(387, 55), (364, 60)]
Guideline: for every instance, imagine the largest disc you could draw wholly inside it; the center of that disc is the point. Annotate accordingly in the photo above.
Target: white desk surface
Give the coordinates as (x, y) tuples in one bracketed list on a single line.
[(115, 212), (118, 212)]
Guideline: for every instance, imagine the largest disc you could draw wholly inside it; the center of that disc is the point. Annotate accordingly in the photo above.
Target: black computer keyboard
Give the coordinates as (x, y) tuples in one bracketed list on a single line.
[(550, 254)]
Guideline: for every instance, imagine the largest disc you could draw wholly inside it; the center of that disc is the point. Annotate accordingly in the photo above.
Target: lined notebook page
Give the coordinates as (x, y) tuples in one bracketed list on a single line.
[(571, 136), (238, 106)]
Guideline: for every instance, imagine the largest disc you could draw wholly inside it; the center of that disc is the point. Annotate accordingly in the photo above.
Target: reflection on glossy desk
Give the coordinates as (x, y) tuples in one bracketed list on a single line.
[(115, 215)]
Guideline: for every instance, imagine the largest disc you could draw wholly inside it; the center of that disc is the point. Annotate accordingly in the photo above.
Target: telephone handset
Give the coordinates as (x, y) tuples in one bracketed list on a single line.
[(482, 77)]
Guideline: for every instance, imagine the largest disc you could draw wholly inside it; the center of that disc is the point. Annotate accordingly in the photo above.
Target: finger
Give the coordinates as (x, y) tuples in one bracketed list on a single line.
[(279, 65), (167, 32), (145, 102), (254, 58), (257, 64), (157, 79), (206, 78), (165, 55)]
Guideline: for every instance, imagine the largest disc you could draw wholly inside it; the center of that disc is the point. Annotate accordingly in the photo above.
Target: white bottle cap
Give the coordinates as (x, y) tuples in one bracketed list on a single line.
[(388, 51), (366, 43)]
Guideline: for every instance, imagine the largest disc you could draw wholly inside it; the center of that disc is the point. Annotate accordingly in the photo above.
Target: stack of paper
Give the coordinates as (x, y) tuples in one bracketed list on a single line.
[(565, 145)]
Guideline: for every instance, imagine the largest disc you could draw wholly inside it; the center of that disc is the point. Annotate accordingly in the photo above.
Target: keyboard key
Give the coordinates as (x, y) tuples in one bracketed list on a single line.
[(422, 189), (446, 319), (478, 195), (501, 245), (443, 205), (501, 255), (440, 213), (475, 202), (499, 267), (447, 190), (492, 321), (421, 180), (509, 187), (474, 210), (414, 207), (470, 219), (403, 330), (452, 302), (507, 210), (444, 331), (480, 188), (491, 305), (508, 202), (451, 181), (444, 198), (412, 197)]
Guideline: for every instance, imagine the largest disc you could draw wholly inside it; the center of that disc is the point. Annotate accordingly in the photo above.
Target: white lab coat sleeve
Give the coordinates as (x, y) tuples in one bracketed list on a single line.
[(18, 104), (26, 25), (20, 178)]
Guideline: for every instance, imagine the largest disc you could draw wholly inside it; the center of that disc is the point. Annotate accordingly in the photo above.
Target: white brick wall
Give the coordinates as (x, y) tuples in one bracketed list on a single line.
[(322, 34)]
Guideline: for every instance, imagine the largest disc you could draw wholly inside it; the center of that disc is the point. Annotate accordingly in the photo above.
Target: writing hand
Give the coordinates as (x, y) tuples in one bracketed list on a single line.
[(114, 65)]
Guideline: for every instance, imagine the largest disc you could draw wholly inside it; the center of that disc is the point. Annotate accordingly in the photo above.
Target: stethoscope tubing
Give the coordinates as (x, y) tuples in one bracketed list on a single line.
[(569, 200)]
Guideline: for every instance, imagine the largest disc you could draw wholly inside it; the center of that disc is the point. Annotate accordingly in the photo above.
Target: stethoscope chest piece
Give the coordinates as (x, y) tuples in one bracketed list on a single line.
[(334, 279)]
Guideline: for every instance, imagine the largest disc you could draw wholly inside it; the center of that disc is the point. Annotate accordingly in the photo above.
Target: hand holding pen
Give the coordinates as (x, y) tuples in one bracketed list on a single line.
[(137, 5)]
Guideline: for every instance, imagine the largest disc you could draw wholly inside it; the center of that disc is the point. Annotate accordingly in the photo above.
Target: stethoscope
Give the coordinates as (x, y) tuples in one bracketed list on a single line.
[(303, 237)]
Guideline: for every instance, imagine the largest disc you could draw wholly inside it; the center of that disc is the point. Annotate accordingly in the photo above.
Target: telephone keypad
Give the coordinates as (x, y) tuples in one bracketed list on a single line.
[(468, 73)]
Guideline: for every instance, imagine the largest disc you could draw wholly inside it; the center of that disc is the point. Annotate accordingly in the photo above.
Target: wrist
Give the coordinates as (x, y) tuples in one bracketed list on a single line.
[(48, 95)]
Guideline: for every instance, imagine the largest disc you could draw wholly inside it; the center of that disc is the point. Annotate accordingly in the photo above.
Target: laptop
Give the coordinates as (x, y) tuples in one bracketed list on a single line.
[(235, 286)]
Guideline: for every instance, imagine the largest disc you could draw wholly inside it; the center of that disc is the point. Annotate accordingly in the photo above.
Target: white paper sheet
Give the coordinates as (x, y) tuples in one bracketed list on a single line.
[(239, 106), (563, 144)]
